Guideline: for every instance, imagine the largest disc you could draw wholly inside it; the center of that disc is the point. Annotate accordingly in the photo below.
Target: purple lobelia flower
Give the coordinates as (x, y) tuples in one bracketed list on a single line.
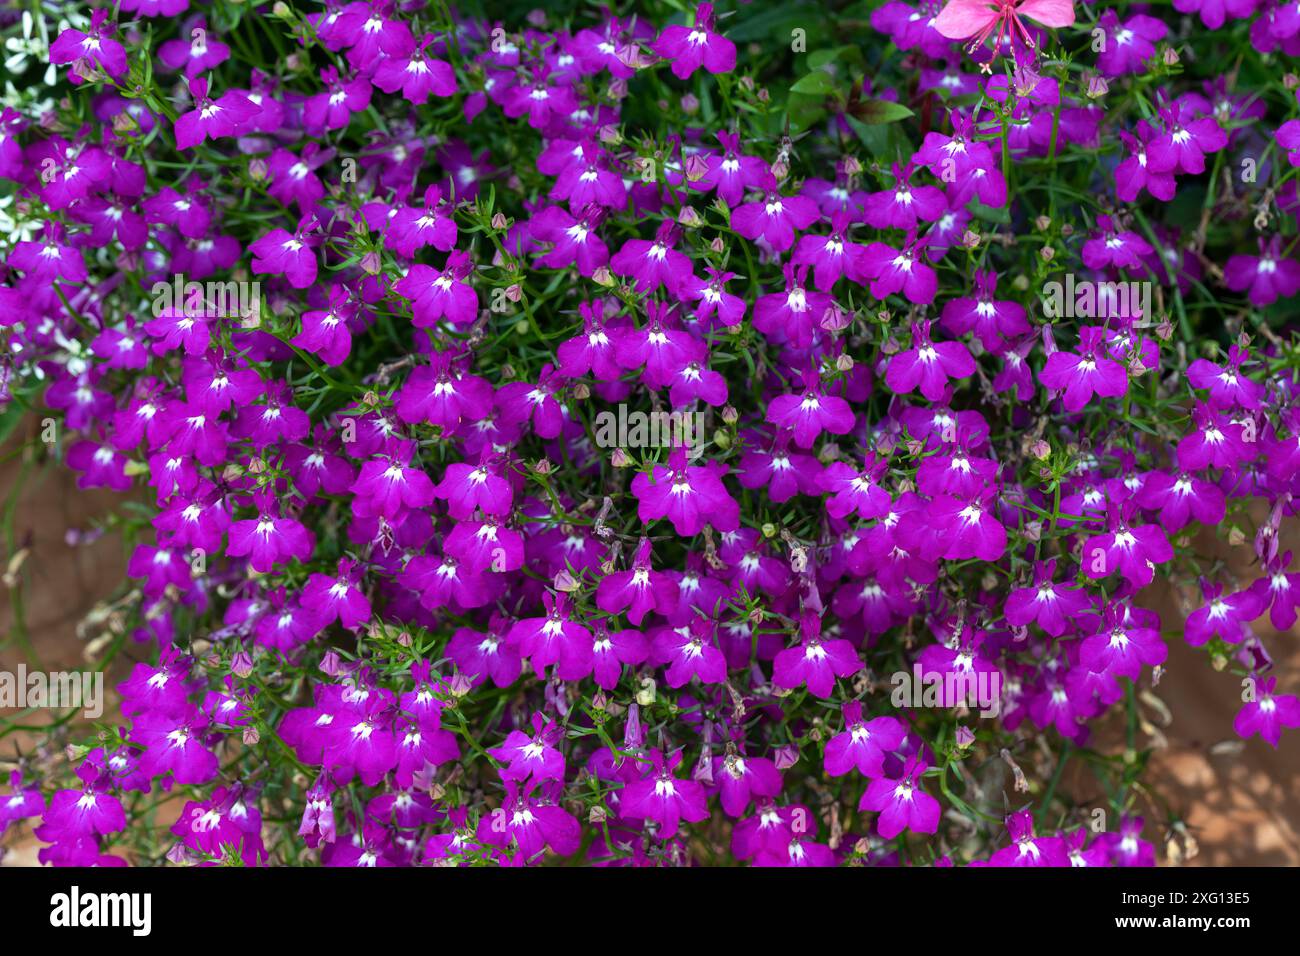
[(653, 264), (1053, 607), (905, 205), (688, 496), (213, 119), (1027, 849), (1181, 497), (438, 295), (1214, 13), (638, 590), (740, 780), (689, 651), (793, 315), (1278, 591), (809, 414), (901, 803), (662, 798), (1126, 848), (555, 638), (1136, 173), (781, 472), (467, 488), (520, 402), (530, 824), (1226, 616), (1217, 441), (337, 598), (87, 51), (928, 364), (1133, 550), (1228, 386), (196, 55), (291, 255), (175, 745), (731, 173), (573, 239), (856, 491), (1114, 246), (717, 307), (815, 662), (830, 256), (82, 813), (270, 538), (774, 217), (1181, 148), (417, 74), (891, 270), (1088, 373), (588, 181), (689, 48), (1122, 646), (1128, 45), (443, 393), (863, 744), (482, 655), (532, 756), (1266, 277), (411, 229), (1268, 713), (325, 332), (967, 528), (21, 803), (387, 486), (993, 321)]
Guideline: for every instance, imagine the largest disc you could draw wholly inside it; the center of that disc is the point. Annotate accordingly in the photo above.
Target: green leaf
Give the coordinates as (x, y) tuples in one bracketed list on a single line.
[(818, 59), (819, 82), (877, 112), (990, 214)]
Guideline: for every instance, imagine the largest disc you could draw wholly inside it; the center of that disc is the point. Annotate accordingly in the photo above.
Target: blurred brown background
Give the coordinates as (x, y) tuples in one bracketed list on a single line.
[(1241, 801)]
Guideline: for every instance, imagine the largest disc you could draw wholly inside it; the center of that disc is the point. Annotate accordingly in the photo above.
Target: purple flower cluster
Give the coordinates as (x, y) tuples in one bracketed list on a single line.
[(383, 549)]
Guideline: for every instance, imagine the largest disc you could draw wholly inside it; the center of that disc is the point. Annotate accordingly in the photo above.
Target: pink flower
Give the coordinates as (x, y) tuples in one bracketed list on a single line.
[(963, 19)]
